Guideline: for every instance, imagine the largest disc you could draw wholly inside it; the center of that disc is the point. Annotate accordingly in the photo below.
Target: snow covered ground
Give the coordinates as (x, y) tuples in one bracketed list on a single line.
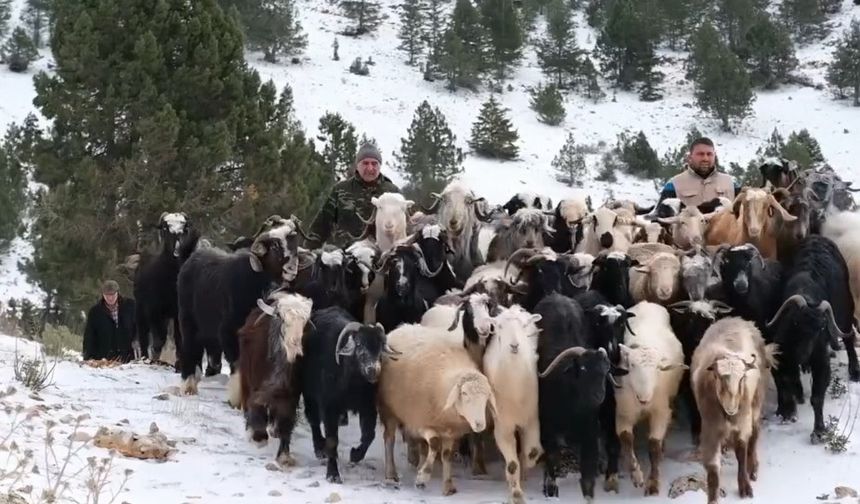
[(215, 463)]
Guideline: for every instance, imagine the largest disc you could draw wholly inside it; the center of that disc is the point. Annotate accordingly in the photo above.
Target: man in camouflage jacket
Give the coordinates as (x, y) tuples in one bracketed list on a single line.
[(350, 199)]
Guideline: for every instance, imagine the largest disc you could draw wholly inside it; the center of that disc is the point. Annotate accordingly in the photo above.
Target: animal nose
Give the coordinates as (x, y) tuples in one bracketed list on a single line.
[(754, 231), (479, 426), (697, 240), (741, 285), (530, 243), (515, 348), (606, 240)]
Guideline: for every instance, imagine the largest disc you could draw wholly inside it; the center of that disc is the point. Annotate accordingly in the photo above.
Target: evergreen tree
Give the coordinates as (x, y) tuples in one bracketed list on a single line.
[(587, 81), (734, 18), (771, 52), (13, 183), (722, 84), (434, 31), (153, 108), (464, 47), (271, 26), (595, 13), (569, 163), (5, 16), (339, 144), (805, 17), (36, 19), (428, 155), (804, 149), (650, 77), (679, 18), (844, 70), (506, 39), (639, 158), (548, 103), (492, 134), (19, 51), (626, 44), (410, 34), (365, 13), (557, 52)]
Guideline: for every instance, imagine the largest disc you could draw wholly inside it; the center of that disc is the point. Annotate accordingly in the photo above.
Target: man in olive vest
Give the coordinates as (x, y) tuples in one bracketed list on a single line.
[(350, 199), (700, 181)]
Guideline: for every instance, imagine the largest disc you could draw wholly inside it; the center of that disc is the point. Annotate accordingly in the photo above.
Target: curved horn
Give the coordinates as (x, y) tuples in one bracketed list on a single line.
[(638, 210), (720, 306), (787, 217), (570, 352), (383, 260), (459, 311), (516, 256), (349, 328), (736, 204), (422, 263), (298, 224), (680, 304), (437, 199), (834, 329), (718, 259), (795, 299)]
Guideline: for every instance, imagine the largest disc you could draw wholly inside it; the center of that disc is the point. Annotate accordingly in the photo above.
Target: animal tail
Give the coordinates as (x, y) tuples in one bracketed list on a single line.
[(771, 351)]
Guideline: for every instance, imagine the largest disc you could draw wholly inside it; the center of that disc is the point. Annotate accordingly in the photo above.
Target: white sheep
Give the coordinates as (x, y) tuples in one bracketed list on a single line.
[(510, 363), (656, 279), (655, 361), (436, 392)]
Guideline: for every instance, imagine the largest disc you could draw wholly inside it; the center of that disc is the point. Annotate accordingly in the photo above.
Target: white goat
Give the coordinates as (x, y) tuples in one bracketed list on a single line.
[(436, 392), (510, 363), (688, 227), (655, 363), (607, 229), (844, 229), (390, 219)]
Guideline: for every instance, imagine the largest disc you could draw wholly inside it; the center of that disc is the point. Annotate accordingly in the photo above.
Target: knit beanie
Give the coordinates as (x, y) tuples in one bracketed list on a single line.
[(368, 150)]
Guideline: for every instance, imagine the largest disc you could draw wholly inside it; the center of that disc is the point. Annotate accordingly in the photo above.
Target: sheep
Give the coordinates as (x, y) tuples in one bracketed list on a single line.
[(817, 310), (343, 362), (510, 364), (524, 230), (656, 279), (388, 221), (155, 285), (571, 390), (610, 230), (436, 392), (270, 351), (655, 365), (727, 374), (843, 229), (217, 290), (749, 221)]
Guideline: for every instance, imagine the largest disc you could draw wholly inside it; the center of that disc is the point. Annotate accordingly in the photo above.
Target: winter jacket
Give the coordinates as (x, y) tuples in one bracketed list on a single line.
[(339, 216), (104, 339), (693, 189)]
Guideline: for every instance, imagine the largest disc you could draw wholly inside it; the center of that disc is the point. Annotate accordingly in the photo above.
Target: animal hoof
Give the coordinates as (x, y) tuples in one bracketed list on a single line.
[(854, 375), (286, 460), (320, 454), (449, 490), (334, 478), (355, 455), (189, 386), (420, 485), (818, 437), (638, 479), (653, 488), (753, 475), (550, 490), (745, 490), (611, 483)]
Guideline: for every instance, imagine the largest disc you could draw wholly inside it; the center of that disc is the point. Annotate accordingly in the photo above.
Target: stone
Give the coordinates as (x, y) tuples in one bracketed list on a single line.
[(333, 497)]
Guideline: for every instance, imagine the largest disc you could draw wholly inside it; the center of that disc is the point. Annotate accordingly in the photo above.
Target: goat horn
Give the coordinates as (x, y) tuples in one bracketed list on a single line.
[(348, 329), (833, 328), (383, 260), (516, 255), (298, 224), (422, 263), (779, 208), (435, 206), (719, 305), (795, 299), (572, 351), (265, 308), (680, 304), (459, 311), (161, 219), (613, 381)]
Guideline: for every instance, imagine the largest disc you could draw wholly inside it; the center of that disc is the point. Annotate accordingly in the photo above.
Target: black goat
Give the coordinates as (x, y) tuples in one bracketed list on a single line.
[(218, 289), (778, 172), (817, 310), (612, 277), (690, 320), (572, 389), (342, 362), (409, 287), (527, 200), (542, 272), (750, 283), (155, 285)]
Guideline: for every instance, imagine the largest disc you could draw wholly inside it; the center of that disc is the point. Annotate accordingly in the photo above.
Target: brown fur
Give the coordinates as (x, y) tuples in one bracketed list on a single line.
[(731, 226)]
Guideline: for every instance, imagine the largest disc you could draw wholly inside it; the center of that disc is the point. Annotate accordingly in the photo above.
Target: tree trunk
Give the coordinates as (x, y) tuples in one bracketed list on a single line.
[(269, 55), (857, 91)]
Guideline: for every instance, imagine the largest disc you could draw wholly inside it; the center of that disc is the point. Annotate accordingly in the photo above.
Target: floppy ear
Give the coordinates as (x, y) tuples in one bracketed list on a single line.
[(537, 317), (453, 395), (256, 265), (669, 367), (375, 201), (642, 269)]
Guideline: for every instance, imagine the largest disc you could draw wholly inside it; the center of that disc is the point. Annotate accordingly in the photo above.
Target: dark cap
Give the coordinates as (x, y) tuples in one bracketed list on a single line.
[(368, 150), (110, 287)]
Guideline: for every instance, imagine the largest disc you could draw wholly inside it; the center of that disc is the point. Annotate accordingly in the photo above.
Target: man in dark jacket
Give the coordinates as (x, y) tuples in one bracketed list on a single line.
[(350, 199), (110, 326)]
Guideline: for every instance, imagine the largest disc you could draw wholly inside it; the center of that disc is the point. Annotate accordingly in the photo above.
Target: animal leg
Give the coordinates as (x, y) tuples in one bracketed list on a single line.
[(589, 452), (426, 469), (506, 441), (256, 421), (550, 466), (388, 435), (368, 432), (142, 322), (331, 421), (285, 413), (752, 452), (413, 455), (710, 449), (610, 437), (448, 487), (177, 343), (626, 439), (783, 376), (853, 364), (741, 453), (194, 354), (531, 447), (312, 414), (159, 337), (692, 410), (479, 465), (820, 382), (659, 423)]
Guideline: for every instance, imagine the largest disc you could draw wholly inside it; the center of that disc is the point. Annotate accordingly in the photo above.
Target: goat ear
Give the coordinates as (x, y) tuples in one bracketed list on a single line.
[(375, 201), (408, 204), (268, 310), (670, 367), (641, 269), (453, 395), (535, 318), (348, 348), (256, 265)]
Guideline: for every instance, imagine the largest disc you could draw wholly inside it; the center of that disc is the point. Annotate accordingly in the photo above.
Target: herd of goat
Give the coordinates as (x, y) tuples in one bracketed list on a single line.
[(549, 326)]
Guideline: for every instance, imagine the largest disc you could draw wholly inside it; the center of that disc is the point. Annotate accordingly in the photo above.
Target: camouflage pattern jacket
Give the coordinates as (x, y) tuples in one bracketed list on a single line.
[(339, 216)]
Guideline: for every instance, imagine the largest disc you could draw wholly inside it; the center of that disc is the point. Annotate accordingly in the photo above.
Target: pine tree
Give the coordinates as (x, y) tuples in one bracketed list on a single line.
[(679, 18), (434, 31), (569, 163), (428, 155), (844, 70), (365, 13), (587, 81), (13, 184), (639, 158), (142, 120), (771, 52), (626, 45), (548, 103), (410, 34), (492, 134), (650, 78), (805, 17), (804, 149), (557, 52), (272, 27), (722, 84), (506, 39), (19, 51), (36, 18), (5, 16), (463, 47), (734, 18), (339, 144)]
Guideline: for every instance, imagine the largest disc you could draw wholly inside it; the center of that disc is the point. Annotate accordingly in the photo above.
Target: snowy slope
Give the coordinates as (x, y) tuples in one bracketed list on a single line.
[(215, 463)]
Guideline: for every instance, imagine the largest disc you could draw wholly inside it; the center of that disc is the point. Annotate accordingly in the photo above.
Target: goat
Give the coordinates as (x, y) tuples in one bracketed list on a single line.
[(342, 364), (843, 229), (817, 309), (388, 221), (652, 232), (155, 285), (270, 350), (778, 173), (750, 221), (655, 365), (696, 273), (567, 224), (408, 285), (436, 392), (727, 374), (611, 277), (545, 272), (217, 290), (473, 329), (527, 200), (610, 230), (524, 230), (688, 227), (493, 280), (790, 233)]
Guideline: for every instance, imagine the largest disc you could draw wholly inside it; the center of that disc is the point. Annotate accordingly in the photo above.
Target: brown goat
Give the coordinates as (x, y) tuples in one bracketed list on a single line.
[(751, 220)]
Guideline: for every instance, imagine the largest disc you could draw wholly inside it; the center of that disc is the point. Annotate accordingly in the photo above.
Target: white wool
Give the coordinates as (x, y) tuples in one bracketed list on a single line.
[(610, 313), (704, 309), (363, 251), (745, 246), (332, 258), (673, 203), (431, 231), (620, 256), (695, 262), (294, 310), (175, 223)]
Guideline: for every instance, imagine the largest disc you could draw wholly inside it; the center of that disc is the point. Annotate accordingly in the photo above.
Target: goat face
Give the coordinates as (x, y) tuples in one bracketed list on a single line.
[(778, 172), (516, 331), (736, 268), (603, 223), (401, 272), (662, 269), (799, 207), (613, 272), (275, 251), (477, 310), (469, 397), (799, 326), (529, 226), (696, 274), (174, 231), (610, 322), (690, 320), (757, 207), (391, 209), (359, 261), (456, 208), (688, 227), (290, 313), (730, 375), (434, 246), (582, 373), (366, 346), (644, 365), (330, 268)]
